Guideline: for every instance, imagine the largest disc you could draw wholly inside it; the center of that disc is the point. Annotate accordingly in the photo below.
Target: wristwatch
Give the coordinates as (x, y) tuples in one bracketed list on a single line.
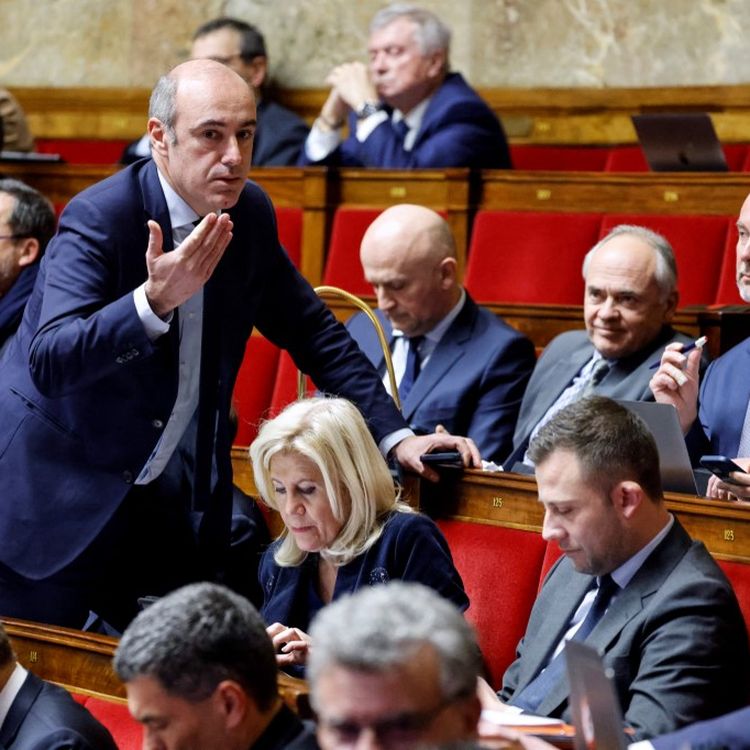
[(367, 109)]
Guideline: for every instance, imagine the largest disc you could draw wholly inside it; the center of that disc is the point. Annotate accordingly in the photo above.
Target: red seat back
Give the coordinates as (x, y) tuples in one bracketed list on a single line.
[(562, 158), (499, 567), (698, 243), (289, 220), (285, 385), (254, 387), (343, 268), (738, 574), (626, 159), (84, 150), (527, 256), (125, 730), (552, 554)]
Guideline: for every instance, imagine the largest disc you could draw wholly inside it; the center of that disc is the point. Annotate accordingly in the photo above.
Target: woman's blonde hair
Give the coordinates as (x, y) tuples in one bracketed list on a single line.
[(332, 434)]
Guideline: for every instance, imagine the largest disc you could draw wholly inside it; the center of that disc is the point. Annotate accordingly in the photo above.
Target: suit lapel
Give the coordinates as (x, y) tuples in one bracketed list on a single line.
[(20, 707), (450, 349)]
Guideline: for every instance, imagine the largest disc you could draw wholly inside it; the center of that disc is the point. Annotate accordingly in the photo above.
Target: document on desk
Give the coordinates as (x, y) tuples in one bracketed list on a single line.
[(513, 719)]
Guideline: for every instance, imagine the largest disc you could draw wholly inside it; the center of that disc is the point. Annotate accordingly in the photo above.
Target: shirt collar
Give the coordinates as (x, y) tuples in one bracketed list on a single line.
[(10, 691), (625, 573), (439, 330), (415, 117), (180, 212)]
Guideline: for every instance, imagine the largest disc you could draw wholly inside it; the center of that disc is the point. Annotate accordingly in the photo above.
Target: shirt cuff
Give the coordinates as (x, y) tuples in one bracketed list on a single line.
[(153, 324), (390, 441), (320, 144), (642, 745), (366, 126)]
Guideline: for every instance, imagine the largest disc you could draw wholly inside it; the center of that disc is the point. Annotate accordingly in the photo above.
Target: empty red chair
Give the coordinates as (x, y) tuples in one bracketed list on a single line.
[(626, 159), (254, 387), (727, 292), (289, 220), (698, 243), (559, 158), (499, 567), (285, 386), (529, 256), (343, 268)]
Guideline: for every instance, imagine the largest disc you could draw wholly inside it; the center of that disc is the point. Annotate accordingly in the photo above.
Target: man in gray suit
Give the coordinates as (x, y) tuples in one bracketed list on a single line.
[(631, 583), (630, 299)]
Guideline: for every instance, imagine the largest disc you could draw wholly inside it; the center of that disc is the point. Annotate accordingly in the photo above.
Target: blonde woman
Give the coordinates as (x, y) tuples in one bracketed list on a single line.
[(345, 527)]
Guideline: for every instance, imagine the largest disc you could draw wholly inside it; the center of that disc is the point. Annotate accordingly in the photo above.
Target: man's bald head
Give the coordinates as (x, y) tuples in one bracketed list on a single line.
[(202, 123), (409, 256)]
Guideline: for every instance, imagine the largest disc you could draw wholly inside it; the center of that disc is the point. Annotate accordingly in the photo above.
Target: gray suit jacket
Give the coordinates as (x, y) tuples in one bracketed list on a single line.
[(674, 638), (563, 358)]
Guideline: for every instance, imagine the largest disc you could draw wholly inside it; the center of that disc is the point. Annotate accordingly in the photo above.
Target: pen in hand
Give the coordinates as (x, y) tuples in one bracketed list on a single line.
[(697, 344)]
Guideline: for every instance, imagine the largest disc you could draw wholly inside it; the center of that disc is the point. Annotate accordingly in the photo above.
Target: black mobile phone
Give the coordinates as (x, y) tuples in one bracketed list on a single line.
[(721, 466), (447, 458)]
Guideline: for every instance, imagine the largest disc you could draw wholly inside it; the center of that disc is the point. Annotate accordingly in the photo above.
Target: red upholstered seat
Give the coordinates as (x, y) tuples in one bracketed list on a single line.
[(626, 159), (727, 292), (562, 158), (739, 575), (500, 568), (736, 155), (552, 554), (289, 219), (254, 387), (84, 150), (529, 256), (342, 267), (125, 730), (698, 243), (285, 386)]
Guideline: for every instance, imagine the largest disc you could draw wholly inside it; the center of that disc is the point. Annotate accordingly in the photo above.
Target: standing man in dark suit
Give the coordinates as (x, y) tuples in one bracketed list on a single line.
[(280, 132), (27, 223), (472, 367), (405, 108), (629, 300), (718, 421), (36, 715), (200, 672), (129, 348), (631, 583)]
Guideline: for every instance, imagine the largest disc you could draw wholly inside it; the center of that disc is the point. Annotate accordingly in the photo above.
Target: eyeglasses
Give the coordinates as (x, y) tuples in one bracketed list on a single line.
[(390, 732)]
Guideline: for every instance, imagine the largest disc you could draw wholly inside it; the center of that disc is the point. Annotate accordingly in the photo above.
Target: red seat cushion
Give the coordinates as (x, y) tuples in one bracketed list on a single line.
[(528, 256), (698, 243), (739, 575), (500, 569), (343, 268), (289, 219), (563, 158), (254, 387), (125, 730), (84, 150)]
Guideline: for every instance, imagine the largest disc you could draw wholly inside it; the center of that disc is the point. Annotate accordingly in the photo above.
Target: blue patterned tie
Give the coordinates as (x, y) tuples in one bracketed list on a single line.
[(402, 129), (531, 697), (412, 367)]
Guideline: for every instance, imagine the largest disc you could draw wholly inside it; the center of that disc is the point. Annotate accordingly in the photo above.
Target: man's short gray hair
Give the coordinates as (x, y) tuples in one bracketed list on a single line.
[(665, 273), (431, 34), (196, 637), (378, 628), (163, 103)]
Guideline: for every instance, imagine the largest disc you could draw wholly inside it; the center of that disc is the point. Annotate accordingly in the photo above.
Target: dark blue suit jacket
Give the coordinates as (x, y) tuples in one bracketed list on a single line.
[(724, 394), (728, 732), (472, 384), (458, 130), (45, 717), (279, 137), (85, 393)]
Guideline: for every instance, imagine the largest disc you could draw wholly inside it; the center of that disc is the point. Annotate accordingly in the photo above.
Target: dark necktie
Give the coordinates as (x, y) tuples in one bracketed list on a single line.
[(531, 697), (598, 371), (401, 129), (411, 373)]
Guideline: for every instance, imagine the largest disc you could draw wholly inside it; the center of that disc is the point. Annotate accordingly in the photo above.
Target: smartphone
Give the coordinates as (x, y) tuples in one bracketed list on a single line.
[(721, 466), (448, 458)]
